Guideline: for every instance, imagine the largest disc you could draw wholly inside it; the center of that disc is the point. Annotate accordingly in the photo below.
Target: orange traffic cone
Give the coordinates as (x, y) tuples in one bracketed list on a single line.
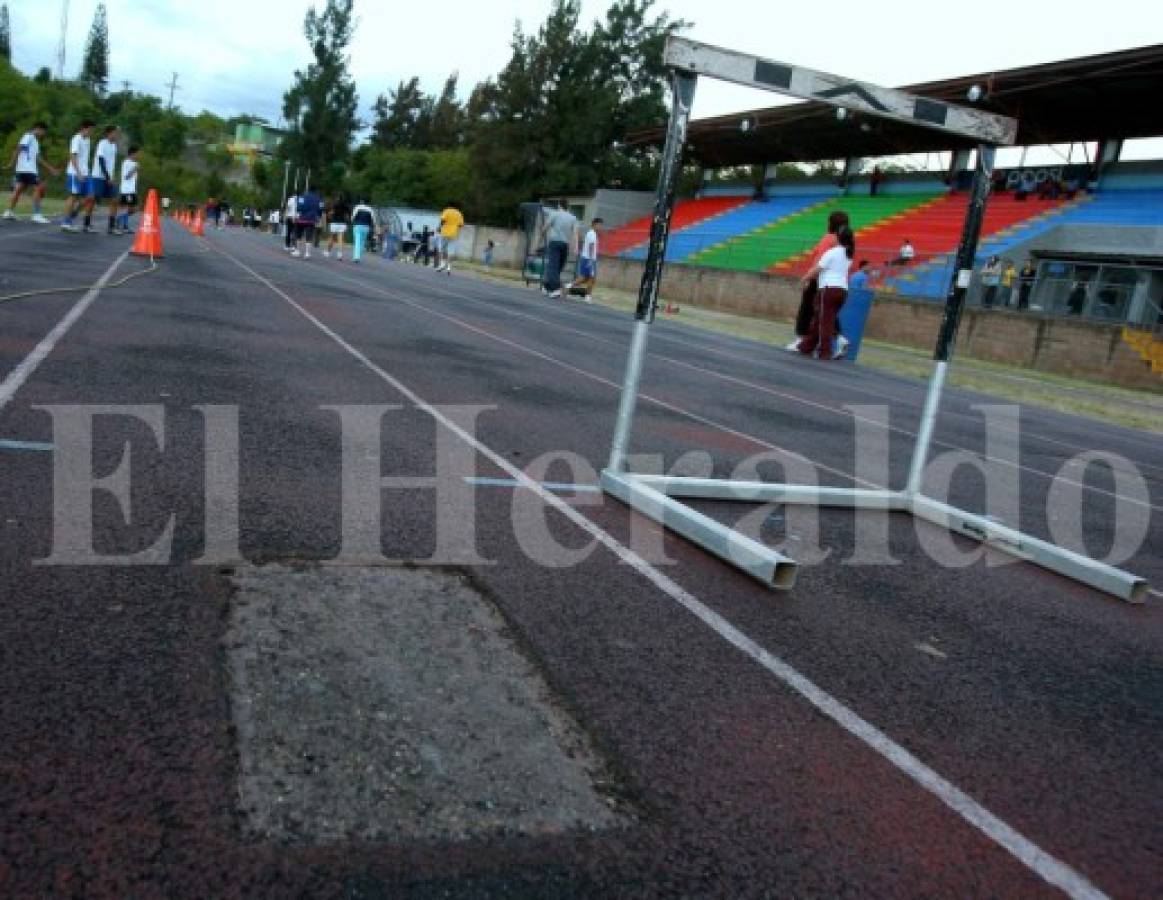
[(199, 231), (149, 234)]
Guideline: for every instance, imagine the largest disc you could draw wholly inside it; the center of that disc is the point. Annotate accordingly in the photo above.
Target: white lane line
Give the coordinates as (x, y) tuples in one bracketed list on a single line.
[(573, 312), (824, 407), (8, 444), (1049, 868), (556, 486), (29, 364), (585, 373)]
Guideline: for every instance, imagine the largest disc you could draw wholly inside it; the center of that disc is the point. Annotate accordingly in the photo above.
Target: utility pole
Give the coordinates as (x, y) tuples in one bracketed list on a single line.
[(125, 85), (64, 39), (173, 86)]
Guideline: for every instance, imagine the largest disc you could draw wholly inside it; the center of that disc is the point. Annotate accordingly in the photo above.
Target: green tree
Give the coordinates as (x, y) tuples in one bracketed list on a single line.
[(397, 115), (555, 119), (321, 103), (165, 136), (95, 66), (5, 34)]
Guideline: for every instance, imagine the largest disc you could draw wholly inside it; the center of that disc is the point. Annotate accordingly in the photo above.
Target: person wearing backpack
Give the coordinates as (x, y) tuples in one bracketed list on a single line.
[(363, 223)]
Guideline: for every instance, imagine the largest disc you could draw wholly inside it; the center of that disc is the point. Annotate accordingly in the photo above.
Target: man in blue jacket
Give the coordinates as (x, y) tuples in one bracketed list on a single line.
[(310, 208)]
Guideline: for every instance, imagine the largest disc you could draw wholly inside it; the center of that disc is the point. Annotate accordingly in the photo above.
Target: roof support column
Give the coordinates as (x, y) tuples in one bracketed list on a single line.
[(1110, 150), (851, 169)]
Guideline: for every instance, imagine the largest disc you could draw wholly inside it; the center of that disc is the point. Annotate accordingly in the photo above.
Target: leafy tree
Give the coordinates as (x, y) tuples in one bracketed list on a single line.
[(95, 66), (5, 34), (398, 114), (556, 117), (165, 136), (446, 130), (321, 103)]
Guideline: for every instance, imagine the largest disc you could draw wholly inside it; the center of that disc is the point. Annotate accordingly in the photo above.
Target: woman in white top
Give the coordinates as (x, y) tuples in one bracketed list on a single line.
[(831, 273)]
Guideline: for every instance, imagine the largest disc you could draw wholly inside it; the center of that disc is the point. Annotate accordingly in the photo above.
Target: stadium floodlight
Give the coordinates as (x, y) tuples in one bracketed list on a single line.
[(657, 497)]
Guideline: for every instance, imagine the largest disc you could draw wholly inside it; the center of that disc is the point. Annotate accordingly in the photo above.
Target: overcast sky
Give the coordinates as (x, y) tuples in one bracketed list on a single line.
[(234, 56)]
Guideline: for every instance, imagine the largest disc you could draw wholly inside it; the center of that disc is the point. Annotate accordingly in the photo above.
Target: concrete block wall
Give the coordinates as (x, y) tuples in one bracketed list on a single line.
[(1058, 346)]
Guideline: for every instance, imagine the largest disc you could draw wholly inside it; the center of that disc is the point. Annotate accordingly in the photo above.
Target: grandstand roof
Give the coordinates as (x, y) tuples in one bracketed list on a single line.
[(1112, 95)]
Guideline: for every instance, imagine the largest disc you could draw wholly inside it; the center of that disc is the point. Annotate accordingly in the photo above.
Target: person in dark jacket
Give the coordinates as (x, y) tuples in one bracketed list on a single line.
[(310, 209)]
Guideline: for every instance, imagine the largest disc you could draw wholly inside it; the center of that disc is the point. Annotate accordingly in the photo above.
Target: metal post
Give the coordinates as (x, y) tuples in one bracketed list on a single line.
[(286, 179), (683, 90), (954, 305), (925, 432)]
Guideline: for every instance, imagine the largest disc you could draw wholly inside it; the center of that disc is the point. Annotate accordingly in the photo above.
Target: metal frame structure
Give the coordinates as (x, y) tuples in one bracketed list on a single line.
[(657, 496)]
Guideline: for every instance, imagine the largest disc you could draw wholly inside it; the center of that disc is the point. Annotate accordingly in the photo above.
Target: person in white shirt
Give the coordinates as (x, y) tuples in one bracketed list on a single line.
[(290, 217), (128, 188), (587, 263), (906, 254), (104, 181), (77, 176), (26, 163), (831, 273)]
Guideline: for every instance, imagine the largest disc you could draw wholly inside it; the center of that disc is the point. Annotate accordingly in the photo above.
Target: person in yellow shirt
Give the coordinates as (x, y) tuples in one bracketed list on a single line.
[(451, 221)]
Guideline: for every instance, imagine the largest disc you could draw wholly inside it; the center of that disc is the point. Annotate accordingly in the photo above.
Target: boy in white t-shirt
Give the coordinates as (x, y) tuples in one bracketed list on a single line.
[(26, 163), (104, 181), (77, 177), (128, 189), (587, 267)]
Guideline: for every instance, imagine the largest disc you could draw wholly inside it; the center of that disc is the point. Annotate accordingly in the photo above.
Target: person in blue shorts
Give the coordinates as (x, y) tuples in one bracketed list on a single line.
[(77, 178), (26, 163), (587, 269), (103, 178)]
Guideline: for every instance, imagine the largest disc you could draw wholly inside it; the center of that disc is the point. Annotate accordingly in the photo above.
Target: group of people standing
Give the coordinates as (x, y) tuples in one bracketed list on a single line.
[(998, 278), (307, 218), (90, 178), (561, 233)]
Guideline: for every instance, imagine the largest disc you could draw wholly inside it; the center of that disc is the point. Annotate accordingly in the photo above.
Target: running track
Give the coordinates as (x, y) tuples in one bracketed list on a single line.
[(1040, 707)]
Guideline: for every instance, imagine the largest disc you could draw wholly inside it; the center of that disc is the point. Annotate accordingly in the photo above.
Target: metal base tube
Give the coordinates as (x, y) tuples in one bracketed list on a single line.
[(755, 559), (1049, 556), (767, 492)]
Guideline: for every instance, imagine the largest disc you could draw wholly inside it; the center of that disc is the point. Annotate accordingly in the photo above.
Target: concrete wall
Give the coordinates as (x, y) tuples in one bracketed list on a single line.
[(509, 251), (1059, 346), (1083, 349)]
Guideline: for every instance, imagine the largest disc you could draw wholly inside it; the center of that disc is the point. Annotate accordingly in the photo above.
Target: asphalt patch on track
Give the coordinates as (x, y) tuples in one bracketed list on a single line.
[(384, 703)]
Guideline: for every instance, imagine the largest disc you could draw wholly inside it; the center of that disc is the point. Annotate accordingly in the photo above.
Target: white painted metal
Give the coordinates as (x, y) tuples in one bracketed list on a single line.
[(1049, 556), (652, 495), (757, 560), (925, 432), (767, 492), (629, 398), (809, 84)]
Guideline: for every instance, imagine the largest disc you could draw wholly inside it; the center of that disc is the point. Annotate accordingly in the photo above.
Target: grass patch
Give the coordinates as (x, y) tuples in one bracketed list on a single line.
[(1013, 384)]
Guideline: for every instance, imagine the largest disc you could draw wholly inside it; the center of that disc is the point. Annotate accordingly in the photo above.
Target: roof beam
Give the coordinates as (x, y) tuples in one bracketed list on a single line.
[(797, 81)]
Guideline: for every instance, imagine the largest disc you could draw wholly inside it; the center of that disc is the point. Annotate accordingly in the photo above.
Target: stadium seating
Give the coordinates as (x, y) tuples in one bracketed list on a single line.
[(617, 241), (741, 221), (788, 239), (1009, 223)]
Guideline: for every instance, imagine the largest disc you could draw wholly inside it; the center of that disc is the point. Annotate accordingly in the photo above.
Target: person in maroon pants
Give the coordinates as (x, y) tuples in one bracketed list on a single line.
[(836, 220), (831, 273)]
